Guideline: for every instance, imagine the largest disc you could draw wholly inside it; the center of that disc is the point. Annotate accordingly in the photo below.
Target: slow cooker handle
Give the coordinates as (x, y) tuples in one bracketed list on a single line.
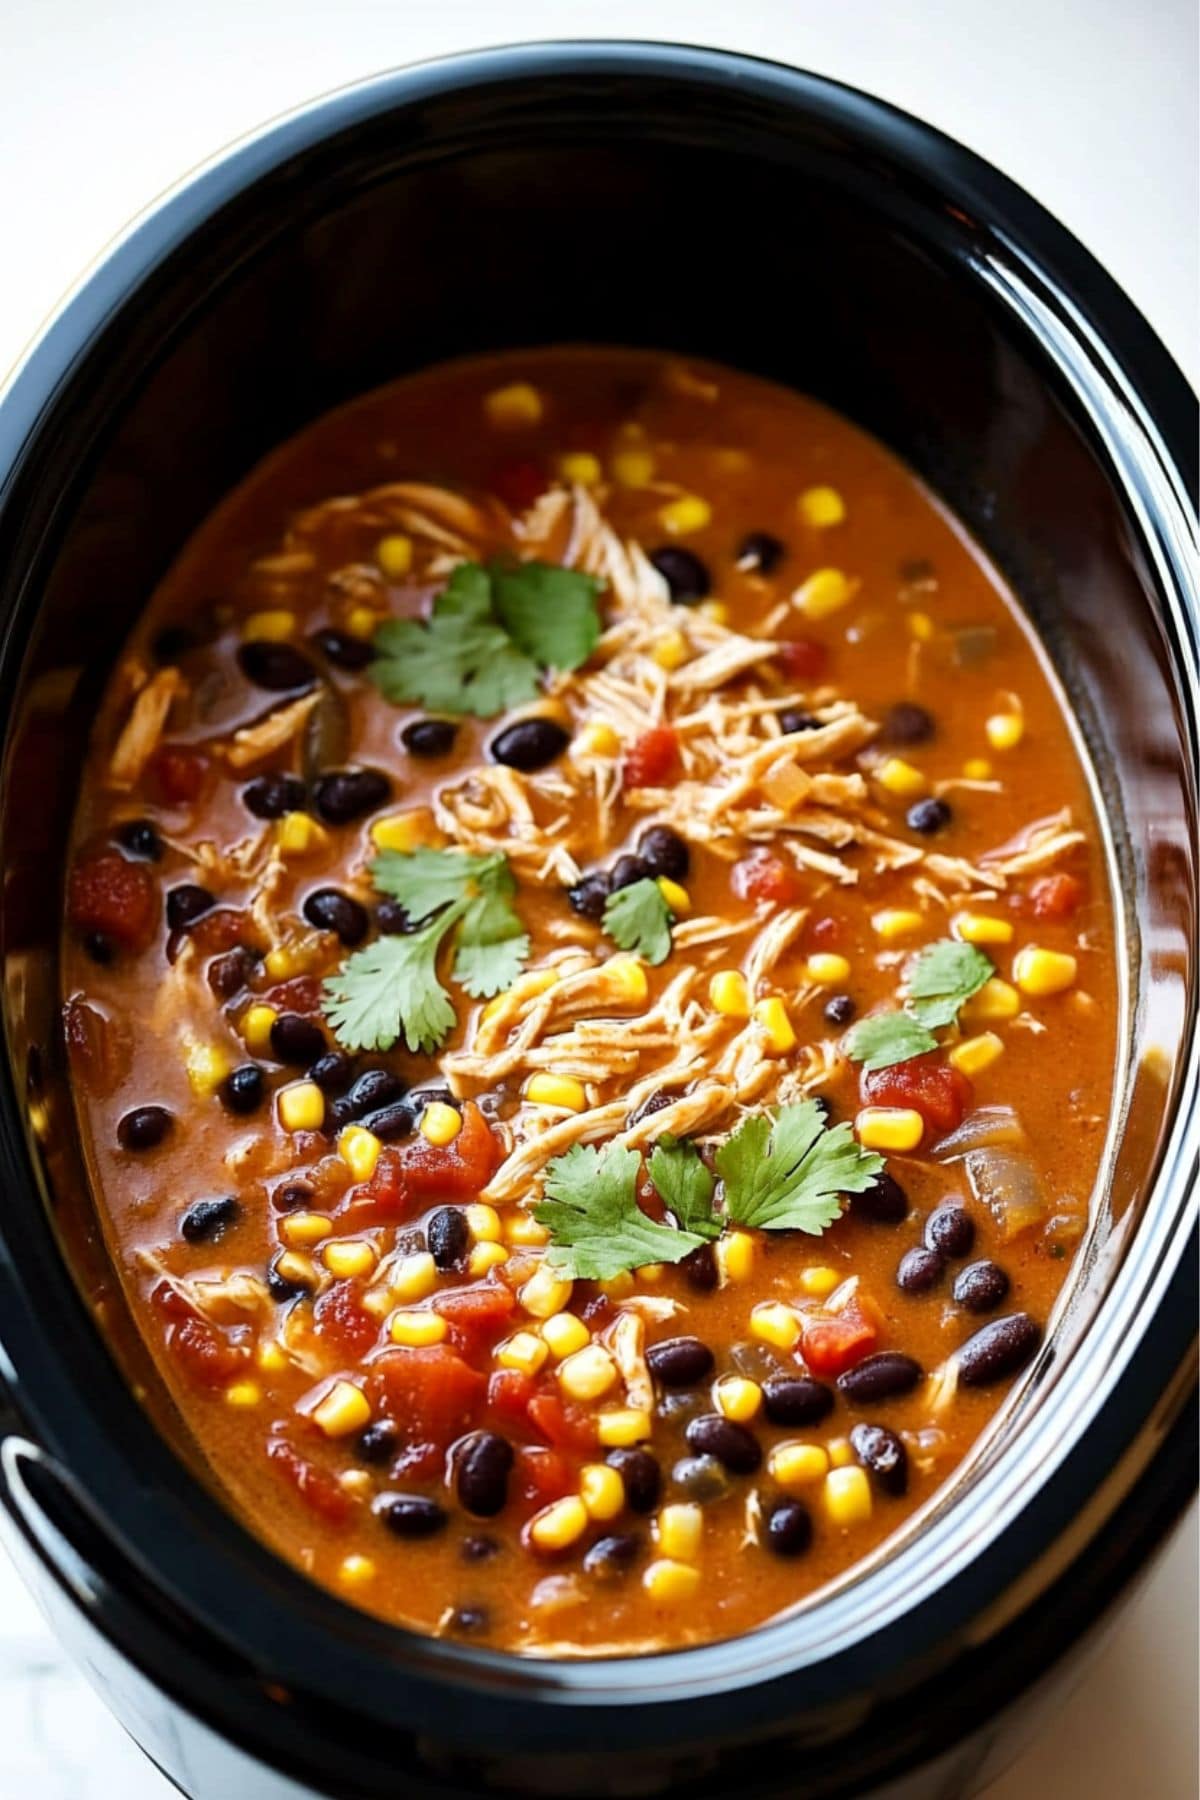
[(53, 1522)]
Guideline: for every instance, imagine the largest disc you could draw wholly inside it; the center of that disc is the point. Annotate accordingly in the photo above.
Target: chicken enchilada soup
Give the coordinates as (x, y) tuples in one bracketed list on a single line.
[(590, 987)]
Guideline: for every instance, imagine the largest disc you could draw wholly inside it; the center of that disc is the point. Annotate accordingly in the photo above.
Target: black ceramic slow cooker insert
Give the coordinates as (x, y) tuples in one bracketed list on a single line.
[(710, 204)]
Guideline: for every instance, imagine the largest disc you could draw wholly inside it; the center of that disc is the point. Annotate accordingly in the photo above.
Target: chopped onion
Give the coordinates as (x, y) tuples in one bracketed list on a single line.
[(1006, 1182), (987, 1128)]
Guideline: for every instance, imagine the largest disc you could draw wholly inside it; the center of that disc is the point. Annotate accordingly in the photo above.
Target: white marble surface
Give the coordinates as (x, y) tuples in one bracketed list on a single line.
[(1090, 103)]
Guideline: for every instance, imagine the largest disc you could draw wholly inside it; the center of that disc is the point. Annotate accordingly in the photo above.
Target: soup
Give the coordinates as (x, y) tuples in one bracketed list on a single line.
[(589, 981)]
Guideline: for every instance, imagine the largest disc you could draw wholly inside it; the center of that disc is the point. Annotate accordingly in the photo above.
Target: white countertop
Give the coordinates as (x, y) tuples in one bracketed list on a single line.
[(1091, 104)]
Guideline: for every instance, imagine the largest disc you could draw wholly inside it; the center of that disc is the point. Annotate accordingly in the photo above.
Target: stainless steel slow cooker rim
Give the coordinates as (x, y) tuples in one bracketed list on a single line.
[(383, 91)]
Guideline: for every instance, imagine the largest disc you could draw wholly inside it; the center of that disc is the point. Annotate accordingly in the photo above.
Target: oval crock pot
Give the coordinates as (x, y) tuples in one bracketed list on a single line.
[(694, 200)]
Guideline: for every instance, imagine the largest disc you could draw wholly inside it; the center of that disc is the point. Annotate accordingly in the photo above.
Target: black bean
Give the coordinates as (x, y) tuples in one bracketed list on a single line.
[(627, 869), (880, 1377), (920, 1270), (343, 649), (731, 1444), (393, 920), (470, 1619), (101, 949), (788, 1529), (270, 796), (478, 1547), (679, 1361), (377, 1443), (641, 1475), (143, 1128), (429, 737), (348, 794), (760, 551), (840, 1009), (139, 837), (998, 1350), (186, 904), (928, 816), (281, 1288), (428, 1091), (529, 744), (481, 1469), (296, 1040), (290, 1196), (907, 723), (701, 1478), (373, 1089), (410, 1515), (244, 1089), (331, 910), (332, 1072), (700, 1270), (664, 852), (653, 1103), (589, 896), (229, 972), (449, 1237), (884, 1202), (280, 668), (796, 1400), (205, 1220), (883, 1455), (396, 1120), (611, 1557), (172, 642), (678, 1404), (794, 718), (981, 1287), (686, 577), (950, 1229)]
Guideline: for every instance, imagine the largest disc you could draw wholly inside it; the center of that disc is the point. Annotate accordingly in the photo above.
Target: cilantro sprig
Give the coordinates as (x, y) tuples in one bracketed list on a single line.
[(941, 978), (638, 918), (491, 634), (596, 1226), (391, 989)]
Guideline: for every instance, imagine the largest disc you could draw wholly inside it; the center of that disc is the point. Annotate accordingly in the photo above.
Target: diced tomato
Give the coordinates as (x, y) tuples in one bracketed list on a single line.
[(316, 1486), (761, 876), (561, 1422), (224, 928), (463, 1166), (339, 1317), (1055, 896), (205, 1353), (508, 1395), (804, 659), (831, 1346), (179, 773), (652, 759), (928, 1085), (476, 1315), (519, 484), (540, 1476), (432, 1394), (299, 994), (109, 894), (383, 1199)]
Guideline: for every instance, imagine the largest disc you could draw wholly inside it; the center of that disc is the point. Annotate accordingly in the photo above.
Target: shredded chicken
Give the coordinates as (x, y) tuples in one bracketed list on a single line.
[(143, 729)]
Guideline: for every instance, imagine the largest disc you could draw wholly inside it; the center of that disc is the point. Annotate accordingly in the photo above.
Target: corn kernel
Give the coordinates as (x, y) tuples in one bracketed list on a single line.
[(256, 1023), (618, 1286), (797, 1466), (526, 1232), (601, 1490), (413, 1278), (587, 1374), (688, 513), (378, 1301), (632, 468), (564, 1334), (821, 506), (817, 1281), (355, 1570), (622, 1426), (675, 895), (207, 1066), (979, 928), (716, 610), (483, 1222), (344, 1409), (243, 1393), (975, 1054), (671, 651), (513, 407), (901, 778), (671, 1583), (294, 1266), (558, 1525), (484, 1257), (440, 1123), (651, 1272), (275, 625), (579, 467), (627, 978), (996, 1000), (1040, 972), (847, 1495), (349, 1258), (827, 969), (359, 1150), (894, 1128), (921, 627), (300, 1230), (774, 1323), (977, 768), (271, 1359), (414, 830), (556, 1090), (361, 621), (738, 1398), (736, 1253), (394, 554), (896, 922), (524, 1351), (772, 1016), (298, 835), (826, 591), (680, 1529), (597, 739), (301, 1107), (417, 1330), (1005, 730), (840, 1452), (728, 994), (355, 1481), (296, 957), (545, 1293)]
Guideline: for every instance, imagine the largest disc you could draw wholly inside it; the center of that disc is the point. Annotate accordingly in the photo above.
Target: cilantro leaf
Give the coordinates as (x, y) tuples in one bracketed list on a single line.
[(886, 1038), (596, 1225), (492, 943), (548, 612), (942, 977), (391, 989), (786, 1171), (425, 880), (638, 918), (685, 1185)]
